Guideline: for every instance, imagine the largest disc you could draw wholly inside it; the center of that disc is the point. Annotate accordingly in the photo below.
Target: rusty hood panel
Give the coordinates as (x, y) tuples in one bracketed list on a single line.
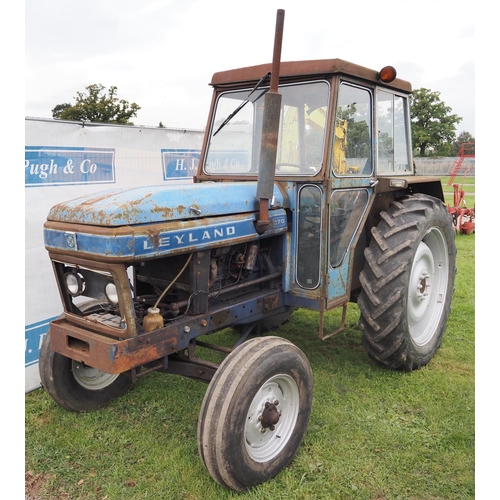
[(151, 204), (146, 241)]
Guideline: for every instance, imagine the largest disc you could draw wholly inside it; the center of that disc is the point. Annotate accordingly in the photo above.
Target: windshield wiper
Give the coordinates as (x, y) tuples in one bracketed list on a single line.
[(238, 109)]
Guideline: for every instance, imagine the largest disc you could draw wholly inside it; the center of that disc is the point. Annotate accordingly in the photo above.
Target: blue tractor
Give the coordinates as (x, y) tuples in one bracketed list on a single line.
[(306, 196)]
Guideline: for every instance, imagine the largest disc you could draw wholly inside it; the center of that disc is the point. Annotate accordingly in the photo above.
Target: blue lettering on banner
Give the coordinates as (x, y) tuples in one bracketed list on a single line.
[(52, 166), (33, 337), (179, 163), (228, 161)]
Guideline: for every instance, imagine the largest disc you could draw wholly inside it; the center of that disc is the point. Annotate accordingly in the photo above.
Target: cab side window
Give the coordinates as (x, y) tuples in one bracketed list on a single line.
[(392, 131), (346, 211), (309, 237), (352, 151)]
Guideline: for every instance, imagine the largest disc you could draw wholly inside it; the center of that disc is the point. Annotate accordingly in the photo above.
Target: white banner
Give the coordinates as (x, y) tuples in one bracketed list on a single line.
[(65, 160)]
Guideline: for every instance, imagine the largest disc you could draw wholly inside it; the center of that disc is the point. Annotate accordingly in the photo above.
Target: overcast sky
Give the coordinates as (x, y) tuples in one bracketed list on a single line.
[(161, 54)]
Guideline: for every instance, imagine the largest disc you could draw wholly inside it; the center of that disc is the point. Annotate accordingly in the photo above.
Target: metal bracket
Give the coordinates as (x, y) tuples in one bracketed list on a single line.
[(322, 336), (247, 330)]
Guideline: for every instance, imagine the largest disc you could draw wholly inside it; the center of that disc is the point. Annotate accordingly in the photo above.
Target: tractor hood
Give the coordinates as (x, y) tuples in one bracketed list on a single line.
[(150, 222), (151, 204)]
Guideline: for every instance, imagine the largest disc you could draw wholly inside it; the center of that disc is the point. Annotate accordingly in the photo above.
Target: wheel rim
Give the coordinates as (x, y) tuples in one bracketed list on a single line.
[(91, 378), (271, 418), (428, 286)]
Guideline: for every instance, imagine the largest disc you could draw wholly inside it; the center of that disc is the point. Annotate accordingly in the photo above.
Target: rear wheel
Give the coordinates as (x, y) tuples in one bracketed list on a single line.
[(407, 283), (255, 412)]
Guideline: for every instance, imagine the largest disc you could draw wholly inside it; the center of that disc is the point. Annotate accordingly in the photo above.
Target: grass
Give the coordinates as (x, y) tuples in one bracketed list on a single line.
[(373, 434)]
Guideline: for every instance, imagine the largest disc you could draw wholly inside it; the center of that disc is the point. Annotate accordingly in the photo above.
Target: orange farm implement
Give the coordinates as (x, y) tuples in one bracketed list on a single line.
[(464, 219)]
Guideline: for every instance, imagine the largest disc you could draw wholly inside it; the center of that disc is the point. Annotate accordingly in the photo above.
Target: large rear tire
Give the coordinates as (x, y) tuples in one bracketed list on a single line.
[(407, 283), (255, 412)]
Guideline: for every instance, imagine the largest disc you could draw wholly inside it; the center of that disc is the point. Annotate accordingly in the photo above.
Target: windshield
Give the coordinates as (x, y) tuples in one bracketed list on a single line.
[(235, 148)]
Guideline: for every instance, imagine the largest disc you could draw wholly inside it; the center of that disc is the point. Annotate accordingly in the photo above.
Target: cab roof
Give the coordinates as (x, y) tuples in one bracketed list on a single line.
[(297, 70)]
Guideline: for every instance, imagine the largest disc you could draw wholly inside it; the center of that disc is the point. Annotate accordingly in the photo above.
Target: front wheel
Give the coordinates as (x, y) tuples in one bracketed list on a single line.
[(255, 412), (76, 386), (407, 283)]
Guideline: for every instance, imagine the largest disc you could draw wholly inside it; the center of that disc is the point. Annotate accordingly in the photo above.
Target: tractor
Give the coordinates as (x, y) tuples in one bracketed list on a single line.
[(305, 197)]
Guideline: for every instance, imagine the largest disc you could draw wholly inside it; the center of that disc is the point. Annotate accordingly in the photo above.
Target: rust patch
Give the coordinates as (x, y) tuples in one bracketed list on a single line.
[(166, 212), (97, 199), (83, 210), (154, 236), (111, 355), (219, 318), (272, 302)]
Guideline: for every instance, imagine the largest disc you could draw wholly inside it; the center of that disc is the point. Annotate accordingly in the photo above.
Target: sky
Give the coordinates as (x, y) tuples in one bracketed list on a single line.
[(161, 54)]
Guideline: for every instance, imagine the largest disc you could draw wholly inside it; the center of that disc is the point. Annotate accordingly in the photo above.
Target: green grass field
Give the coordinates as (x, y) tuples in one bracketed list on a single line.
[(373, 434)]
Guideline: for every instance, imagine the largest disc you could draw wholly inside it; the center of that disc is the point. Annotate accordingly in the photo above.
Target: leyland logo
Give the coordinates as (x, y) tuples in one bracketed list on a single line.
[(52, 166)]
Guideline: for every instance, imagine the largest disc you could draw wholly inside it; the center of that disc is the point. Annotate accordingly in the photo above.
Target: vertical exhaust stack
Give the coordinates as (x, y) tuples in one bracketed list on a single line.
[(270, 129)]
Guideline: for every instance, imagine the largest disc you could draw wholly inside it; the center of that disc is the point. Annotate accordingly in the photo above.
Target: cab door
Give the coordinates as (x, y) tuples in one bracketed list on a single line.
[(351, 188)]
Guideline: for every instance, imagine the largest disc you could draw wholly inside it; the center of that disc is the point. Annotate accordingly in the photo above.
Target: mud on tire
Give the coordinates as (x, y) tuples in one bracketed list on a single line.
[(407, 283)]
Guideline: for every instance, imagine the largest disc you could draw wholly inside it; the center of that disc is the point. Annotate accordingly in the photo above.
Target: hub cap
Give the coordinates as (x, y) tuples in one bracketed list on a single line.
[(428, 286), (271, 418)]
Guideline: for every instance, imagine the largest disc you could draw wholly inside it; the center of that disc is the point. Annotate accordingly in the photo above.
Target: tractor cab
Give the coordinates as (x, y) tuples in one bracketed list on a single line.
[(342, 127), (329, 112)]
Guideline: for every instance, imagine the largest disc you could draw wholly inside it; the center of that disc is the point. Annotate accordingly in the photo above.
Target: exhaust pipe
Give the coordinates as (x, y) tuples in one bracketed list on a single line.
[(270, 129)]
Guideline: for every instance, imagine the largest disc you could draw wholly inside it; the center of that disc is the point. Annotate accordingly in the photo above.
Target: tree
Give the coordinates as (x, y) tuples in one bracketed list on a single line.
[(433, 125), (97, 106), (59, 109)]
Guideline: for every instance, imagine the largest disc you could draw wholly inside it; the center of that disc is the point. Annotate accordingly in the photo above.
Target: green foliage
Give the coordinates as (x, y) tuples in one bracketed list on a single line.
[(59, 110), (98, 107), (433, 125)]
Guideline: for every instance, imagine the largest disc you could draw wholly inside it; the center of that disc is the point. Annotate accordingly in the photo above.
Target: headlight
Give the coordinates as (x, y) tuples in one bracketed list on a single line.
[(75, 284), (111, 293)]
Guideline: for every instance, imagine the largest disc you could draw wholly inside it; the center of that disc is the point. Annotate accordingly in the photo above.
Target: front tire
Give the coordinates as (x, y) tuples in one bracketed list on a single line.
[(407, 283), (255, 412), (75, 386)]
